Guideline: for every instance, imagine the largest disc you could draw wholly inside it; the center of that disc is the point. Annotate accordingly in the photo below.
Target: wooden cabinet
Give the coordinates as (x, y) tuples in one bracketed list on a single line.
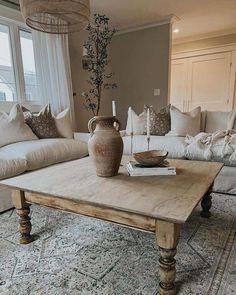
[(179, 81), (204, 80)]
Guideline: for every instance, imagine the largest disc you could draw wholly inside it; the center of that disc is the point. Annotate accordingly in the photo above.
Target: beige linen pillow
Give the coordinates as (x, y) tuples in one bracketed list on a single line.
[(13, 128), (185, 123), (135, 123), (63, 124), (216, 121)]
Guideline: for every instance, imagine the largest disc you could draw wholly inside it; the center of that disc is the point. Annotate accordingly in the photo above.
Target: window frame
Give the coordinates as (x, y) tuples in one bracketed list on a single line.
[(17, 63)]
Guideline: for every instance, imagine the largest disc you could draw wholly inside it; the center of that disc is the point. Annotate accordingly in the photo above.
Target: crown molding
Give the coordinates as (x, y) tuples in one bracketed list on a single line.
[(204, 51), (170, 19), (209, 35), (11, 4), (10, 14)]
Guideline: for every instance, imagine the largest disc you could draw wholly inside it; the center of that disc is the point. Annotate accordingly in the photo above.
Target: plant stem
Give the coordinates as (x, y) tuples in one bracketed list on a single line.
[(97, 73)]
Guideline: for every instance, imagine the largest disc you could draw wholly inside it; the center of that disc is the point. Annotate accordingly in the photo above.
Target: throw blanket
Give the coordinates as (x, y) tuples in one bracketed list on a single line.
[(219, 146)]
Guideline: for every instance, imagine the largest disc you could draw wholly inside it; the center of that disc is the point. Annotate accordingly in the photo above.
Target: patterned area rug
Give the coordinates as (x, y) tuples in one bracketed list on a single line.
[(82, 256)]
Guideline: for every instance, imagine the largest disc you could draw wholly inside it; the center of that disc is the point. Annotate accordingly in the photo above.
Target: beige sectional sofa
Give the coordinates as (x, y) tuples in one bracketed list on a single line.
[(20, 157)]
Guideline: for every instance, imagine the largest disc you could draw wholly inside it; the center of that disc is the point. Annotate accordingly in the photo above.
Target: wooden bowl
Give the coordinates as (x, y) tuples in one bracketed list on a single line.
[(151, 158)]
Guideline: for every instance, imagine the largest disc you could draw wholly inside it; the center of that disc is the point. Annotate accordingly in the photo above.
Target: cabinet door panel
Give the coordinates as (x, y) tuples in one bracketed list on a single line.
[(209, 82), (178, 89)]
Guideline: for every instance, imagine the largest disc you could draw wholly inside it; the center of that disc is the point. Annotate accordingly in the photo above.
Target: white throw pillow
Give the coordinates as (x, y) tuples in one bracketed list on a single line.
[(63, 124), (135, 123), (185, 123), (13, 127), (231, 121)]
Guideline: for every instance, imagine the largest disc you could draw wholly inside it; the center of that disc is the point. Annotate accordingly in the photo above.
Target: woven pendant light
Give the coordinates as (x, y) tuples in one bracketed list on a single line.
[(56, 16)]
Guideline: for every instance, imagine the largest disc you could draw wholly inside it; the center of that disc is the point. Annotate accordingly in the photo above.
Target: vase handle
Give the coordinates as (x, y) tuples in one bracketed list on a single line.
[(117, 125), (91, 125)]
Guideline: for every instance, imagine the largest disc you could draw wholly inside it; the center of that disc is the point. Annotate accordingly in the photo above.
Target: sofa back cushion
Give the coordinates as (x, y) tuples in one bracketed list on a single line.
[(13, 128), (185, 123), (216, 121)]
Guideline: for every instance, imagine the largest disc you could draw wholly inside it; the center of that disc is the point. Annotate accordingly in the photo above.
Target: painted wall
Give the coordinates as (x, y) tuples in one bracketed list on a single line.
[(140, 60)]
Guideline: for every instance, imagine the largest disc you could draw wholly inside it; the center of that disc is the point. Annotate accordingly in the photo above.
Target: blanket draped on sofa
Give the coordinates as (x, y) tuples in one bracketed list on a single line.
[(218, 146)]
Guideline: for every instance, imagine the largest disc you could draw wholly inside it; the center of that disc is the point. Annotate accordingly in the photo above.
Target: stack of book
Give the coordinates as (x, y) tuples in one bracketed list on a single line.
[(135, 169)]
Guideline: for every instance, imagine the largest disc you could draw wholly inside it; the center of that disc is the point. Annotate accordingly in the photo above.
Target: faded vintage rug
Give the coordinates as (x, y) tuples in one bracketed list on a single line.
[(82, 256)]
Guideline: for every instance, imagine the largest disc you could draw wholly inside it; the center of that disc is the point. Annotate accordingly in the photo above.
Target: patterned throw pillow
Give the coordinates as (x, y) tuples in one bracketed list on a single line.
[(159, 122), (42, 124)]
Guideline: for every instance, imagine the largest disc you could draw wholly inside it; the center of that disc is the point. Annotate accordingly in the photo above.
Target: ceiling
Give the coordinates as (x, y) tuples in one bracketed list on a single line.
[(198, 18)]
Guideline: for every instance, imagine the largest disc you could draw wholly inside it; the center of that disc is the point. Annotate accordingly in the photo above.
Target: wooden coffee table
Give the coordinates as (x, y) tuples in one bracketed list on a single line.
[(159, 204)]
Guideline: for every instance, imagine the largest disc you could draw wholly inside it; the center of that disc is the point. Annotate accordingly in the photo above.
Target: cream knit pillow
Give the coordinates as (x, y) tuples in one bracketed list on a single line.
[(135, 123), (185, 123), (13, 127)]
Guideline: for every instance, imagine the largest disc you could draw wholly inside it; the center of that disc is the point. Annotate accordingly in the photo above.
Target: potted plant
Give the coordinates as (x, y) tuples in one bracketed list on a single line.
[(106, 145)]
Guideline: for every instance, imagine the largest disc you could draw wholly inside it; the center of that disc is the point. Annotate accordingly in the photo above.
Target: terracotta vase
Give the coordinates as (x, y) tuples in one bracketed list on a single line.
[(106, 145)]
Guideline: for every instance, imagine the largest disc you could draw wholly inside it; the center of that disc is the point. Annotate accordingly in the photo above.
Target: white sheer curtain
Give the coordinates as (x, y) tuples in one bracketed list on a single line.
[(53, 71)]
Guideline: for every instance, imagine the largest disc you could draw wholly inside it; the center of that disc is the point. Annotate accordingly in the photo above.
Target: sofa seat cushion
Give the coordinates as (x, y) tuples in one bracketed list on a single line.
[(46, 152), (225, 182), (174, 145), (11, 164)]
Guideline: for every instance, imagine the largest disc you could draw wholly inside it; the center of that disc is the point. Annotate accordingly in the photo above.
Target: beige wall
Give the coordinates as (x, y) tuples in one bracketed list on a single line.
[(204, 43), (79, 83), (140, 60)]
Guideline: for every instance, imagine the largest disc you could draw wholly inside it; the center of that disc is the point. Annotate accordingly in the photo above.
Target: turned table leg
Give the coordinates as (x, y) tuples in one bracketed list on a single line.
[(167, 235), (206, 205), (23, 211)]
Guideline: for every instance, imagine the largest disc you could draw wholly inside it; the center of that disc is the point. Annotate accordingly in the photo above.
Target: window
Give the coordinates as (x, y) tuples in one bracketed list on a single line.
[(18, 79), (3, 96), (30, 78), (7, 77)]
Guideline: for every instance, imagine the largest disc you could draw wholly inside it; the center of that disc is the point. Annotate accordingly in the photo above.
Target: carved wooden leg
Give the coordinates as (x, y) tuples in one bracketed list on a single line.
[(167, 235), (22, 210), (206, 205), (25, 225)]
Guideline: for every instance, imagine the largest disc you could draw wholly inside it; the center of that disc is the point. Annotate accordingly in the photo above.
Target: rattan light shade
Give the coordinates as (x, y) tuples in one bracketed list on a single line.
[(56, 16)]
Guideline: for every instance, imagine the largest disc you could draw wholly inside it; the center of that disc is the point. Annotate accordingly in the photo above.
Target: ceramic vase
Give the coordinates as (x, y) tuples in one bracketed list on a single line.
[(105, 145)]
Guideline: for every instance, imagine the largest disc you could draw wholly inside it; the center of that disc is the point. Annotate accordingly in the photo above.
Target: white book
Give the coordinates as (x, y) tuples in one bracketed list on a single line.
[(150, 172), (134, 167)]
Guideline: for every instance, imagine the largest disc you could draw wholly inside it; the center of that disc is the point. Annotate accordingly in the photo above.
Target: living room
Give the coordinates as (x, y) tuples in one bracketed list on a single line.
[(117, 147)]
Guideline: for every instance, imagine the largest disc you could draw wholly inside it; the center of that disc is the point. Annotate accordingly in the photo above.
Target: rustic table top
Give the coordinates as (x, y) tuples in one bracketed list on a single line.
[(169, 198)]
